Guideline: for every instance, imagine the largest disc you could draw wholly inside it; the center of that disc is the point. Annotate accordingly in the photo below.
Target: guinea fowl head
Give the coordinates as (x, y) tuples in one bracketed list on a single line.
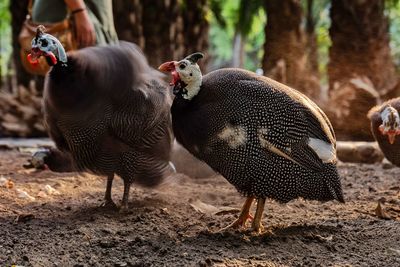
[(46, 45), (390, 123), (186, 75)]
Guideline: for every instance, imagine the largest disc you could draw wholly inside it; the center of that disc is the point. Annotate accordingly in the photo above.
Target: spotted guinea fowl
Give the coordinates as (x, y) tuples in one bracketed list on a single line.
[(266, 139), (385, 126), (108, 111)]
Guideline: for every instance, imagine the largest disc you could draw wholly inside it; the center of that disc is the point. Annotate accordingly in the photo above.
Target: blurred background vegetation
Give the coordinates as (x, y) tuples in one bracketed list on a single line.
[(334, 51)]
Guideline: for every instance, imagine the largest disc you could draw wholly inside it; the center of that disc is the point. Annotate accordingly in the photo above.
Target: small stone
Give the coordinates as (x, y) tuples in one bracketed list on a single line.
[(107, 244), (24, 195)]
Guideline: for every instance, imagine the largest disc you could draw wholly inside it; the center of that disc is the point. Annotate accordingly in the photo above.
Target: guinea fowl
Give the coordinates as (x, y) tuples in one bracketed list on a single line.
[(385, 126), (266, 139), (107, 111)]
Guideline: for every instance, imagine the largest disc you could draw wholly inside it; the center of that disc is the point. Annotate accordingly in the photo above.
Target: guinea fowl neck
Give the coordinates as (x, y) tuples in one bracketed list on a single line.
[(193, 89), (61, 68)]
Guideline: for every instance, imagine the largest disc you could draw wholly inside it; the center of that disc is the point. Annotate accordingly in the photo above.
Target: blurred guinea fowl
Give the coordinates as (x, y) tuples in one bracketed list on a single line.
[(107, 111), (385, 126), (268, 140)]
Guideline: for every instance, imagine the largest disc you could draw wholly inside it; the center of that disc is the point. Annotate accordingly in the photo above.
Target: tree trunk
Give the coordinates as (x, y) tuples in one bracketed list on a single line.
[(360, 44), (285, 57), (238, 51), (195, 30), (361, 71), (128, 21), (159, 29), (311, 42), (165, 30), (18, 10)]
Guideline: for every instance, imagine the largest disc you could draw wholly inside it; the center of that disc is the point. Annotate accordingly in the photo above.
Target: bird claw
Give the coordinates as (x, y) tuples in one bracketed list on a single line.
[(256, 231), (124, 208), (238, 224), (109, 205)]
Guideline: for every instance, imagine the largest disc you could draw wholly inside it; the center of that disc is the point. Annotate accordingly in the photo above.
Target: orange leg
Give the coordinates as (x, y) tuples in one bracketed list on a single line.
[(243, 217), (256, 226)]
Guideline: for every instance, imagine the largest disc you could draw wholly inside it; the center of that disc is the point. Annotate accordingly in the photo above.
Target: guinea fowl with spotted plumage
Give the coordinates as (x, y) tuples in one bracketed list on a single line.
[(385, 127), (107, 112), (268, 140)]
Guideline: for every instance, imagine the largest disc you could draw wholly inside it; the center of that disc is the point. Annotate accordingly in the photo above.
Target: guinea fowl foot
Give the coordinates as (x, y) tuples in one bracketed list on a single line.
[(38, 160), (124, 208), (109, 205), (108, 202), (240, 223), (124, 204), (257, 230), (257, 227)]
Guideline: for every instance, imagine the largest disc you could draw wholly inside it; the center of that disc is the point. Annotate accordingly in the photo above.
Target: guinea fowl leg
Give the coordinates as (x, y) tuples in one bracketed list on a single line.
[(243, 217), (108, 202), (125, 197), (256, 226)]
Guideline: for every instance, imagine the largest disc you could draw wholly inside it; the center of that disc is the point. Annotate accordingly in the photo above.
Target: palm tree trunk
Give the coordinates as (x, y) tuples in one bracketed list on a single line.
[(360, 44), (361, 71), (195, 29), (238, 51), (159, 29), (128, 21), (285, 57), (311, 42)]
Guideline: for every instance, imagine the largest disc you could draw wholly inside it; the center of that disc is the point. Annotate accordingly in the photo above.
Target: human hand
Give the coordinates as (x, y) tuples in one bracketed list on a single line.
[(84, 29)]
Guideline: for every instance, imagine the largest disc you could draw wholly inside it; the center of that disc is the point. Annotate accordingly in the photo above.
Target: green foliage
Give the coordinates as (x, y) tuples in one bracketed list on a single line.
[(5, 40), (246, 15), (322, 24), (393, 13), (228, 18)]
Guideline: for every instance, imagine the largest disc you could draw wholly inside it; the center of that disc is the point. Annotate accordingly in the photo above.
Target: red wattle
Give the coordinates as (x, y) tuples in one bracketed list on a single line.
[(52, 57), (33, 61), (175, 77)]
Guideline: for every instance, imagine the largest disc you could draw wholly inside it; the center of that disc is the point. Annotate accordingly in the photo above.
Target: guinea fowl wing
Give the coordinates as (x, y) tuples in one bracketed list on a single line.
[(138, 125), (54, 132), (288, 126)]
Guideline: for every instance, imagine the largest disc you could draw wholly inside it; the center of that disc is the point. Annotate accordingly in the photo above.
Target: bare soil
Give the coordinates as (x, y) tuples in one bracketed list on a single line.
[(175, 225)]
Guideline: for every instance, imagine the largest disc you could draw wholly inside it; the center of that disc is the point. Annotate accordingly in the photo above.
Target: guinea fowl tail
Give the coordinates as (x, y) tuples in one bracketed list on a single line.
[(332, 182), (324, 186), (156, 175)]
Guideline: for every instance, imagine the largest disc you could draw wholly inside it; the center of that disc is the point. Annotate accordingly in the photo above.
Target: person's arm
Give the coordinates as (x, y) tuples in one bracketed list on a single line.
[(84, 28)]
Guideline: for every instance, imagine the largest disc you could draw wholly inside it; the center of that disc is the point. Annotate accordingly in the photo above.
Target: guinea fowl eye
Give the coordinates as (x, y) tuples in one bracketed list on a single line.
[(44, 43), (182, 66)]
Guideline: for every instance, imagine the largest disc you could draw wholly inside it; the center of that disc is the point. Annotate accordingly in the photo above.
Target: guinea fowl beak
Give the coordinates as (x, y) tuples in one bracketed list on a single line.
[(170, 66), (391, 137), (35, 54), (33, 57), (391, 134)]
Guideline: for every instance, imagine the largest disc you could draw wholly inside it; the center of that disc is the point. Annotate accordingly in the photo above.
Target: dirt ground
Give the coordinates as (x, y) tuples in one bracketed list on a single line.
[(175, 224)]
